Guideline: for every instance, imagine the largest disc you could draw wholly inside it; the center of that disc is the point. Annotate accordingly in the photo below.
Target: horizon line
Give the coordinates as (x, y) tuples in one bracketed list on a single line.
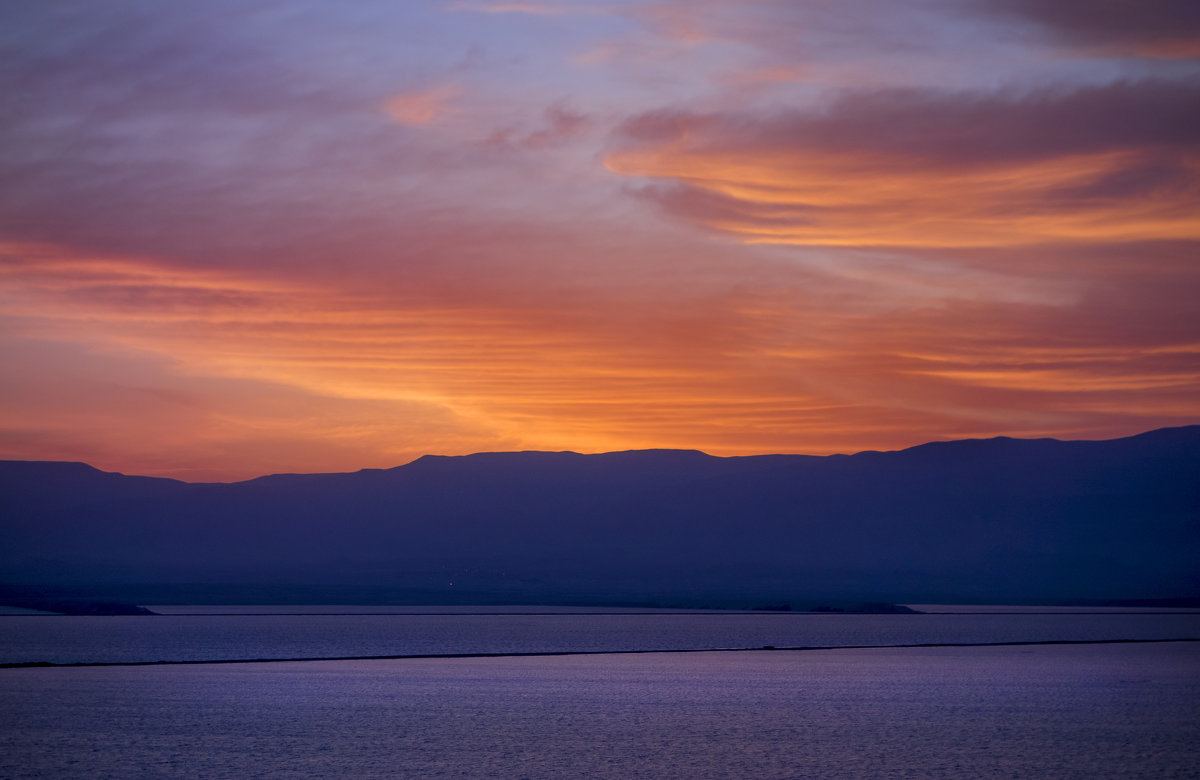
[(611, 452)]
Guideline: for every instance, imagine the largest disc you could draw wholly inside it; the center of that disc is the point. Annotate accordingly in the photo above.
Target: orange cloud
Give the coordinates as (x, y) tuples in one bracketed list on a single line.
[(244, 373), (859, 201), (910, 169)]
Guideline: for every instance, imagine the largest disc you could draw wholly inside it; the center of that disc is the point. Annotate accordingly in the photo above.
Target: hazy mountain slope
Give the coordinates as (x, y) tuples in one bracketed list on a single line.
[(980, 519)]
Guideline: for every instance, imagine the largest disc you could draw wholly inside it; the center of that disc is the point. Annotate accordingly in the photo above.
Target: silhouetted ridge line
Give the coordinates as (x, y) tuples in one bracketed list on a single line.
[(979, 521)]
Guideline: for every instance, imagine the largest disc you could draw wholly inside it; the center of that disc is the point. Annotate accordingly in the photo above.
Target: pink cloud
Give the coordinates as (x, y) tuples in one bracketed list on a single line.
[(422, 107)]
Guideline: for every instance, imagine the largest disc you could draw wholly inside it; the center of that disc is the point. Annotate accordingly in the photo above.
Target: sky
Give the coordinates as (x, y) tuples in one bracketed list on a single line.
[(243, 237)]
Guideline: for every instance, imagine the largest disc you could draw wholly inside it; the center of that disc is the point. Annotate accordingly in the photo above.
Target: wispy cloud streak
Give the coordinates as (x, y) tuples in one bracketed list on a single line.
[(931, 170), (242, 236)]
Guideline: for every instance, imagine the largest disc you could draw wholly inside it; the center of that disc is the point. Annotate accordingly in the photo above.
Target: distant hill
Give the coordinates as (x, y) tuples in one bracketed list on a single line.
[(976, 520)]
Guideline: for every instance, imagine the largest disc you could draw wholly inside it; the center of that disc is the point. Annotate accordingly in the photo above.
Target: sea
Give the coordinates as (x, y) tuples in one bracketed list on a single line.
[(523, 692)]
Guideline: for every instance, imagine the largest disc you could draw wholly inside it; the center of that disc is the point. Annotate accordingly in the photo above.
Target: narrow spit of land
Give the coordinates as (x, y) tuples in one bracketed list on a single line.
[(552, 653)]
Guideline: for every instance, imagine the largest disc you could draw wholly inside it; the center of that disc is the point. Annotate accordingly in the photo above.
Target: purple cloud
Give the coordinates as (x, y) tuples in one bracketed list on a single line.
[(1161, 28)]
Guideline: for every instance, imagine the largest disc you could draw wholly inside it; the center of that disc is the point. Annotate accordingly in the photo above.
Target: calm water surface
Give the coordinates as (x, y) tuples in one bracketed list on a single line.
[(197, 637), (1094, 711)]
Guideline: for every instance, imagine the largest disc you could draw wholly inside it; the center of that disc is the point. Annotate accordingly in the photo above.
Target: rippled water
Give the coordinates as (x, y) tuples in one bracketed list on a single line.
[(1087, 711), (1093, 711)]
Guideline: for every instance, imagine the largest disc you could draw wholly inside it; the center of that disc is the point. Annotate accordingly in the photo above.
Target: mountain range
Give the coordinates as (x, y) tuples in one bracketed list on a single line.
[(997, 520)]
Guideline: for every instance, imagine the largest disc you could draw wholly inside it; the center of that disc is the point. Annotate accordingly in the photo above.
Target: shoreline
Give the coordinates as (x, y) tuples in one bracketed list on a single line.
[(561, 653)]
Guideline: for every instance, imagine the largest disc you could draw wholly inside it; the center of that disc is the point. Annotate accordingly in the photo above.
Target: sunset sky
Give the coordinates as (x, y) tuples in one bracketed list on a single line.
[(242, 237)]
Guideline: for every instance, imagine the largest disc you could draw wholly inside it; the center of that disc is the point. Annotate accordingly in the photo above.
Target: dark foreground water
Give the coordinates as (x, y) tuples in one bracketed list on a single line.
[(1061, 711)]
